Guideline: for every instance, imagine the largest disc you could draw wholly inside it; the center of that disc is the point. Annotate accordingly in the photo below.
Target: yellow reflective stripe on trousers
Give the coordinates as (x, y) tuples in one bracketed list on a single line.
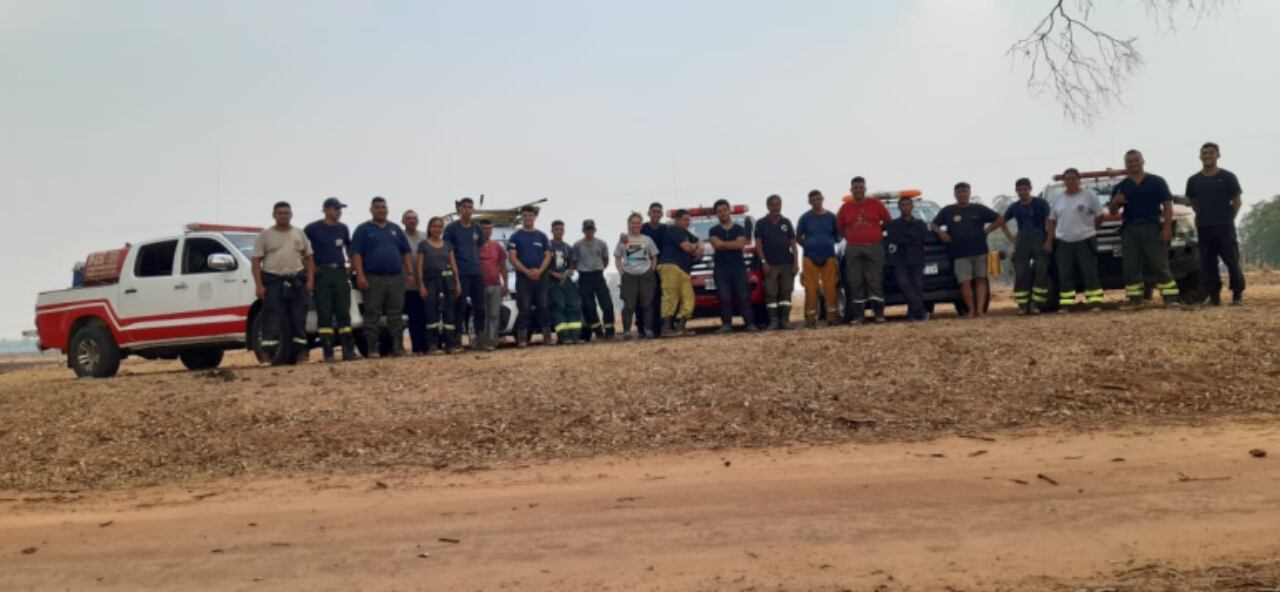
[(324, 331), (1133, 289), (568, 326), (344, 331), (1169, 289), (1093, 296), (1066, 298)]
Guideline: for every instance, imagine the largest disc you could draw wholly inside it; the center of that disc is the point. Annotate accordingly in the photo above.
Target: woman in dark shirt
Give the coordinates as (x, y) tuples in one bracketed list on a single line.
[(439, 287)]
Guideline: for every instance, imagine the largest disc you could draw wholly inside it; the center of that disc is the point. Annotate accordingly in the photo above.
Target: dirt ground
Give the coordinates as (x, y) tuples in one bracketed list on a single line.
[(1150, 509), (893, 457)]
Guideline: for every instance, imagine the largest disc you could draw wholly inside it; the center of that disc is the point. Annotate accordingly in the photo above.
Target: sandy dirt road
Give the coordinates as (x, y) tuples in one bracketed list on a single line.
[(940, 515)]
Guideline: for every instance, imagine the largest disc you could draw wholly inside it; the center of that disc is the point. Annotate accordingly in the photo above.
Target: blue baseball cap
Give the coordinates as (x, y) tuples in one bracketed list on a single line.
[(333, 202)]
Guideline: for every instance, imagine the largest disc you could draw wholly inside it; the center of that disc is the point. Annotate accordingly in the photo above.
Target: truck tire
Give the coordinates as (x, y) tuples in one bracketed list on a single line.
[(264, 354), (201, 359), (1190, 291), (93, 353)]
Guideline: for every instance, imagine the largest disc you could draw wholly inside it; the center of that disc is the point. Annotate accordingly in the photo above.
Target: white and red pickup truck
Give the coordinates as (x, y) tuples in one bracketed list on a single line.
[(189, 297)]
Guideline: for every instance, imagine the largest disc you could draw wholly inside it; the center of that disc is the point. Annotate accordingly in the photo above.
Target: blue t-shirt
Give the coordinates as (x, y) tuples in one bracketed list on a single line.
[(657, 235), (465, 241), (670, 251), (329, 242), (820, 235), (729, 259), (1030, 216), (561, 256), (530, 247), (382, 248), (1143, 202)]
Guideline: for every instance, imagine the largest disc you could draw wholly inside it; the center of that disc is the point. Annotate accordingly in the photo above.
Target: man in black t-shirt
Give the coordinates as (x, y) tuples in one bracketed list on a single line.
[(1146, 232), (675, 260), (776, 248), (967, 226), (729, 238), (1215, 196)]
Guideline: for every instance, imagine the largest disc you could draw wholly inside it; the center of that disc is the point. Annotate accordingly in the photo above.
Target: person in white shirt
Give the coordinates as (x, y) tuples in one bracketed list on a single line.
[(1072, 234)]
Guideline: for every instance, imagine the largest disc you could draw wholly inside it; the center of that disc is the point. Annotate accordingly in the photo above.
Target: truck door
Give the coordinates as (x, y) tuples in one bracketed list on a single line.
[(149, 290), (211, 285)]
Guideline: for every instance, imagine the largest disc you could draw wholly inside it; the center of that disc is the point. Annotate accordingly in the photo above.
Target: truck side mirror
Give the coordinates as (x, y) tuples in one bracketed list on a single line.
[(221, 262)]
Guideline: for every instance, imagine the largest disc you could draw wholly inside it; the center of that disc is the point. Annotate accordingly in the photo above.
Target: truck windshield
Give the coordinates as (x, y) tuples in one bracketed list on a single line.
[(924, 210), (701, 227), (243, 242)]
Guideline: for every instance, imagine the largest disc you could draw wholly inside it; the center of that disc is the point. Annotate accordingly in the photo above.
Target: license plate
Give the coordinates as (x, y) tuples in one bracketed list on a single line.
[(710, 285), (931, 269)]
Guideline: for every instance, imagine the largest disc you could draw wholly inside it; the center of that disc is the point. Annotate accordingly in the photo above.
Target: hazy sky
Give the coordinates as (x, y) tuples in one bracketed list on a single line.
[(121, 121)]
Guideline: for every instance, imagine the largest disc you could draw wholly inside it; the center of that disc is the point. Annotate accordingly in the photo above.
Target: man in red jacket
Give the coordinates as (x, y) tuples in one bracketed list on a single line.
[(862, 221)]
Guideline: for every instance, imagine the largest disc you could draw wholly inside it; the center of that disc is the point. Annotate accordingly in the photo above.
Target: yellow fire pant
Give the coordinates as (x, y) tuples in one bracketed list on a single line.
[(677, 291), (825, 276)]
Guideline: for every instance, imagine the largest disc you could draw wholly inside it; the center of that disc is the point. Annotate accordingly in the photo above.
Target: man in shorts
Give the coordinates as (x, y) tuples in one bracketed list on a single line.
[(964, 227)]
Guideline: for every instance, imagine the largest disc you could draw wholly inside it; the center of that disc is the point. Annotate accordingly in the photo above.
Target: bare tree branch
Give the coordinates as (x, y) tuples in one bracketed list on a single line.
[(1084, 67)]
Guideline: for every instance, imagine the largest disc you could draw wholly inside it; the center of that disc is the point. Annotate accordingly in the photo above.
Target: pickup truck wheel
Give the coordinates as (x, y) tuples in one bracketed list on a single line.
[(264, 354), (1189, 289), (201, 359), (93, 353)]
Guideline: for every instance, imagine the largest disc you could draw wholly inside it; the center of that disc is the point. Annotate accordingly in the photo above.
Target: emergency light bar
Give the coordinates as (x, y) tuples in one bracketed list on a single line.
[(705, 211), (200, 227), (890, 195), (1107, 174)]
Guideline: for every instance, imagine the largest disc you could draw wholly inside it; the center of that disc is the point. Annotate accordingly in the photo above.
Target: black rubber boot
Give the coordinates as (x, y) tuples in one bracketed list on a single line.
[(668, 327), (858, 314), (773, 319), (397, 346), (326, 345), (372, 342), (784, 317), (522, 338), (348, 347)]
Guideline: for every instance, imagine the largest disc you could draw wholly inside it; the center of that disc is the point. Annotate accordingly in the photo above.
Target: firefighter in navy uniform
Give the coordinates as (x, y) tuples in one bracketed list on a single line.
[(284, 275), (1146, 232), (330, 240)]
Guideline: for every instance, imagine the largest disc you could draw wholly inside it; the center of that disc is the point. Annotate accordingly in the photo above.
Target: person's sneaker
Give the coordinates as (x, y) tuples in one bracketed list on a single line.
[(1023, 311), (1033, 309), (1237, 299), (751, 328), (1132, 305), (881, 319), (1173, 304), (457, 349), (628, 336), (724, 329)]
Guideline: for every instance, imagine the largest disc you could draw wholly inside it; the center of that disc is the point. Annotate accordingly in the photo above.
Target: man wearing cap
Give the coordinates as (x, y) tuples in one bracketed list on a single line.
[(817, 231), (590, 259), (380, 254), (1145, 233), (330, 241), (862, 221), (776, 248), (563, 295), (415, 307), (529, 251), (284, 274), (1030, 261), (967, 226), (464, 236)]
